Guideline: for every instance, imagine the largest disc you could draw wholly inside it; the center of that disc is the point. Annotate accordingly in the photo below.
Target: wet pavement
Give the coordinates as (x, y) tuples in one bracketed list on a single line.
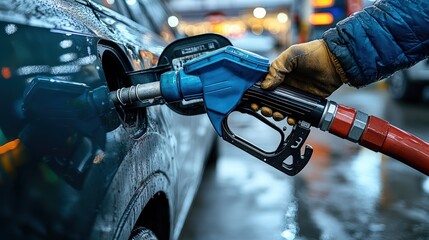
[(345, 192)]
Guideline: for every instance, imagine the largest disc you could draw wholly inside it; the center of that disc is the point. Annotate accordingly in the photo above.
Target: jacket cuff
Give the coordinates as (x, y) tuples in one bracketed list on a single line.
[(338, 68), (342, 58)]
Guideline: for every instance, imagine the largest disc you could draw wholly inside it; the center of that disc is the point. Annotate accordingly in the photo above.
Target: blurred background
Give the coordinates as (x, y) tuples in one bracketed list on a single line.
[(261, 26), (345, 192)]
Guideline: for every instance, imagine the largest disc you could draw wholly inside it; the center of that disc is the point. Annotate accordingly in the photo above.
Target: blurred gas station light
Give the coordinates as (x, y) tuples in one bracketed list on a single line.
[(235, 29), (259, 12), (323, 18), (257, 29), (173, 21), (274, 29), (216, 17), (282, 17), (322, 3)]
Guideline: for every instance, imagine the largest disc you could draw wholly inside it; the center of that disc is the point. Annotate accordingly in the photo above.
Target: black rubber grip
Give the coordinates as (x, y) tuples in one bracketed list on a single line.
[(289, 101)]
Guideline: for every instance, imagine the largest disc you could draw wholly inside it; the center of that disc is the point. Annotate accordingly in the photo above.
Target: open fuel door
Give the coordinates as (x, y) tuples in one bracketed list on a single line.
[(173, 57)]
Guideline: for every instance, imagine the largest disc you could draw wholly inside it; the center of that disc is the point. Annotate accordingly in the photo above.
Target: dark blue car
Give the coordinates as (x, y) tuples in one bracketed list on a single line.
[(72, 166)]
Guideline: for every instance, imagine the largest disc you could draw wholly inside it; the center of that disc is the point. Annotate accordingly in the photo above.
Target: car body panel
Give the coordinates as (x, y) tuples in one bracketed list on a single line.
[(157, 151)]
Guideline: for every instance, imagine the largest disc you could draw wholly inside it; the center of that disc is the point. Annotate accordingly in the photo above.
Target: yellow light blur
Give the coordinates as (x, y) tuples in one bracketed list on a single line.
[(318, 19), (259, 12), (276, 23), (282, 17), (267, 22), (322, 3), (274, 29), (235, 29)]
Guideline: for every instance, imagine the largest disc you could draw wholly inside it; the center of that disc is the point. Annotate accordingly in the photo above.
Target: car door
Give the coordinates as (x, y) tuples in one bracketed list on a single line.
[(190, 136), (70, 172)]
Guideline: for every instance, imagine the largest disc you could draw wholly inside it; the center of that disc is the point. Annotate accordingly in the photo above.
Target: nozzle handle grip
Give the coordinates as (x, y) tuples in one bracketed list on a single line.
[(289, 101)]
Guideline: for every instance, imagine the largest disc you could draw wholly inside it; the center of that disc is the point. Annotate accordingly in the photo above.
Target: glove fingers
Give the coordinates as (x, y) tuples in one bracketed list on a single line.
[(278, 70), (273, 79)]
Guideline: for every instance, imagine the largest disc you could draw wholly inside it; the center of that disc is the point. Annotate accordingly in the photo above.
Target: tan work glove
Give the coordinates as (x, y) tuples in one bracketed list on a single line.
[(309, 66)]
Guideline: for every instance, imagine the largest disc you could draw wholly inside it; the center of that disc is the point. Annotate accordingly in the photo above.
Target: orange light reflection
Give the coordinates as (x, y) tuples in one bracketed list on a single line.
[(6, 73), (9, 146)]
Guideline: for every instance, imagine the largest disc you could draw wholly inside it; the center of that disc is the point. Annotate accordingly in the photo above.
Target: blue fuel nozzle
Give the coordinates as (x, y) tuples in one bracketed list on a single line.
[(177, 86), (220, 78)]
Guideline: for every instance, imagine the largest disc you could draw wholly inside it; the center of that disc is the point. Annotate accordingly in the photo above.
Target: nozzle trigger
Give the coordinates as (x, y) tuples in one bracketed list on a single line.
[(288, 149)]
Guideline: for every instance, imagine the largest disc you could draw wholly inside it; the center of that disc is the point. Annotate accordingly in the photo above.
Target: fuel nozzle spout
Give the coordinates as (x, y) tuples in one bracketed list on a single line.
[(173, 86), (149, 93)]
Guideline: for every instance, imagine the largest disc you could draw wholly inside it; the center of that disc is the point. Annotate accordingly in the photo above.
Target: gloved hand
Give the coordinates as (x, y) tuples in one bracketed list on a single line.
[(309, 66)]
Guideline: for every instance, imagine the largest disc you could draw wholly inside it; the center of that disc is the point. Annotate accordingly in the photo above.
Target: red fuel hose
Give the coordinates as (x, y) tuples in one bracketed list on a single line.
[(397, 144), (380, 136)]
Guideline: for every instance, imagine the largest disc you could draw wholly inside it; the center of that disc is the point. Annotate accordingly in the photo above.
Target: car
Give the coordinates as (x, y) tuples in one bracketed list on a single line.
[(71, 165), (408, 85)]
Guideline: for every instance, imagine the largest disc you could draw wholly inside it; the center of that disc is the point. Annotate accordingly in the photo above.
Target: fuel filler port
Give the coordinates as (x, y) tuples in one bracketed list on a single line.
[(115, 66)]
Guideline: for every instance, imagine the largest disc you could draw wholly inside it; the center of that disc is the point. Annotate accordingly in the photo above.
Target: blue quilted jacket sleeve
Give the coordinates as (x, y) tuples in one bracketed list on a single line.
[(381, 39)]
